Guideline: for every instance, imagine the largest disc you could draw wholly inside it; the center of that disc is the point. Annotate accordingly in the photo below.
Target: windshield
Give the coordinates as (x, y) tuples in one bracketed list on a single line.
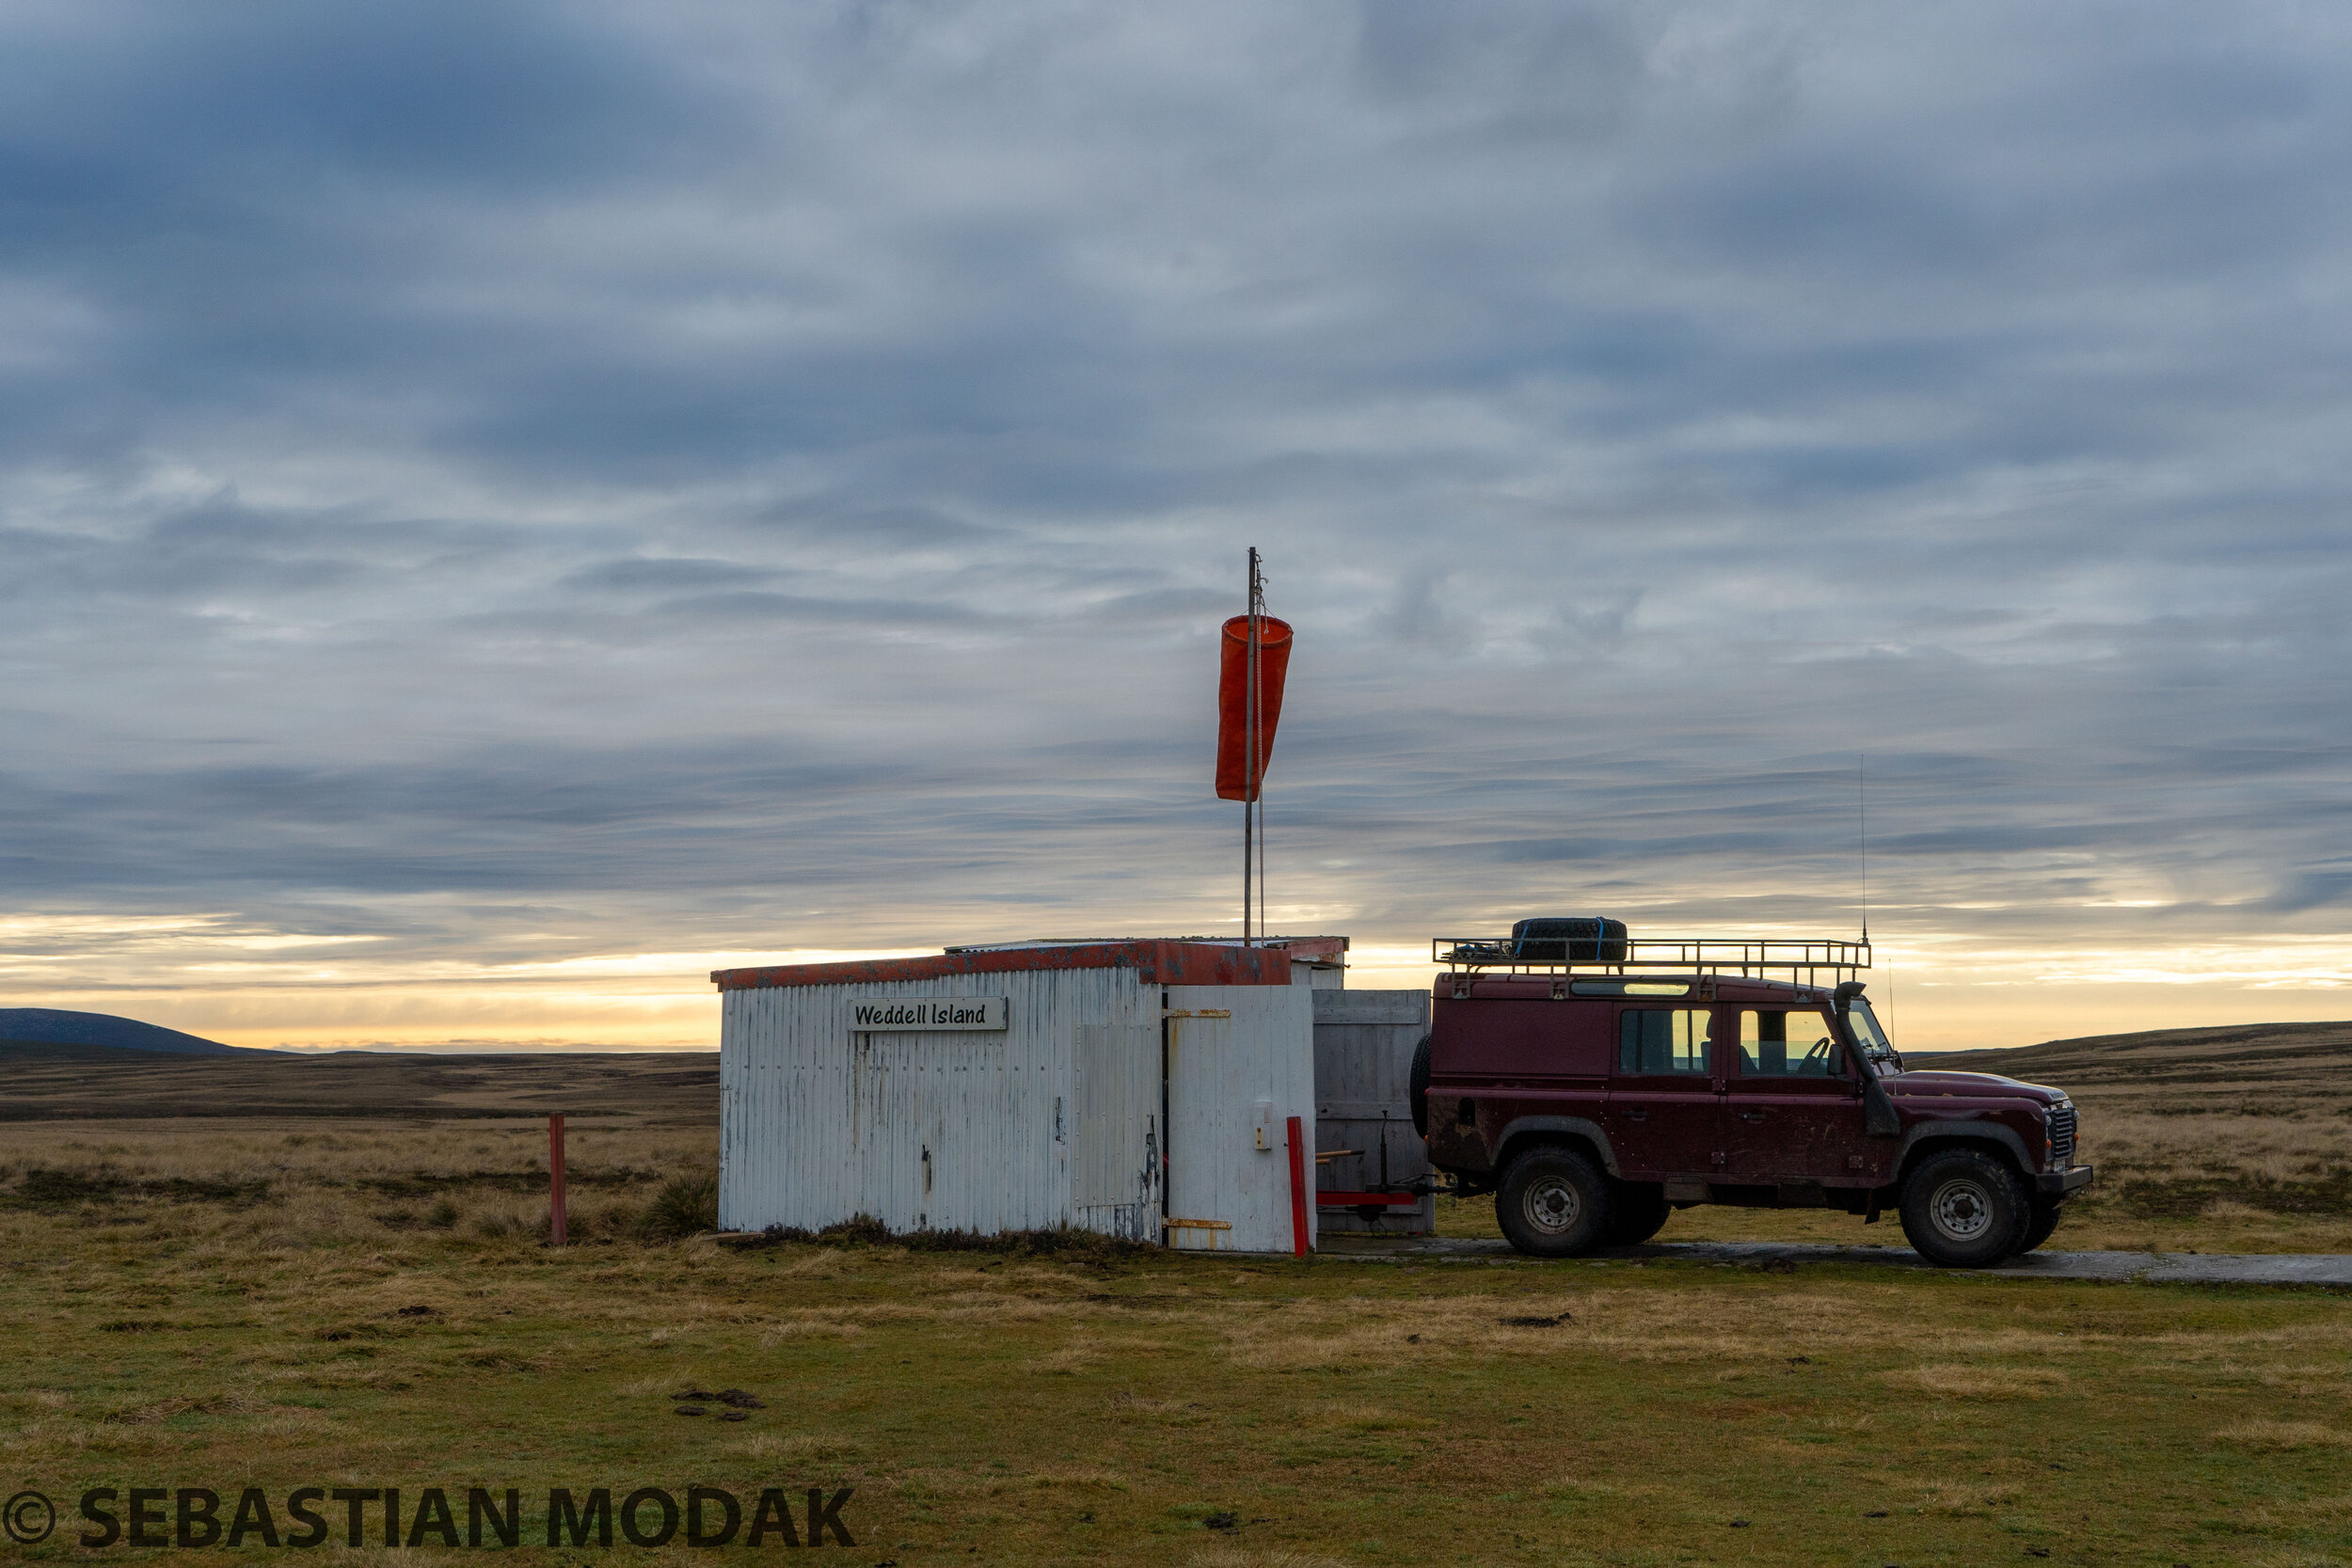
[(1867, 1035)]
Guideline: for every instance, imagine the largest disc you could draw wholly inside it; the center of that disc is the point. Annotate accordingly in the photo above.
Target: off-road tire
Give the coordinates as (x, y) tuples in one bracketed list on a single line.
[(1417, 1087), (2044, 1221), (1964, 1209), (1637, 1211), (1552, 1203)]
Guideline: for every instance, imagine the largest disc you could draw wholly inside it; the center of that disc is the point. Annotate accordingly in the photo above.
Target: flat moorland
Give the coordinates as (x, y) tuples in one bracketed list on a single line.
[(225, 1304), (297, 1298), (52, 1083)]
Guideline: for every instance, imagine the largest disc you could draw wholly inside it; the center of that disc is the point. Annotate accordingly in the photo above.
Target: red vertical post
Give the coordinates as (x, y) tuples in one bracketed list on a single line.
[(1298, 1191), (555, 1180)]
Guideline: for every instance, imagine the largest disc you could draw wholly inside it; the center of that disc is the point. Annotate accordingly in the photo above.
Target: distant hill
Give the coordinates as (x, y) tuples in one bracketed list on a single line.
[(56, 1026), (2290, 1063)]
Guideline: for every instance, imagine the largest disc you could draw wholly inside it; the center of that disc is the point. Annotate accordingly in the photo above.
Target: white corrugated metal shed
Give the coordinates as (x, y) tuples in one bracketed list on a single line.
[(1136, 1089)]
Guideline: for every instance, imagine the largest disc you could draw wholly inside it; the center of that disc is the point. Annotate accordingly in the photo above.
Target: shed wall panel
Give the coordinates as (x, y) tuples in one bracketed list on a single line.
[(945, 1129), (1364, 1042)]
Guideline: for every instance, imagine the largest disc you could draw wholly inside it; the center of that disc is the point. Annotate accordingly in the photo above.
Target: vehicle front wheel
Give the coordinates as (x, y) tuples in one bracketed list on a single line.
[(1552, 1203), (1637, 1212), (1964, 1209), (2044, 1221)]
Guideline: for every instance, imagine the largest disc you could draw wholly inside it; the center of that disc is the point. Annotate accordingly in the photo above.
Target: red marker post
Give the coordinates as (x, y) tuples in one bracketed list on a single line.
[(1298, 1191), (558, 1229)]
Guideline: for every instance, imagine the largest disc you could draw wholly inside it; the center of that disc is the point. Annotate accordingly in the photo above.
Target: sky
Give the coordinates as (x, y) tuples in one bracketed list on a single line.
[(506, 507)]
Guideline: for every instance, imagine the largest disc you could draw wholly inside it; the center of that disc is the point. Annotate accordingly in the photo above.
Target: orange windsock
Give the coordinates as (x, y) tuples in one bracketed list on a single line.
[(1232, 702)]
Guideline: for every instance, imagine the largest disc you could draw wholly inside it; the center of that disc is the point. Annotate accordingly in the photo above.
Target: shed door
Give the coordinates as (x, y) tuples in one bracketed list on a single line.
[(1115, 1171), (1233, 1082)]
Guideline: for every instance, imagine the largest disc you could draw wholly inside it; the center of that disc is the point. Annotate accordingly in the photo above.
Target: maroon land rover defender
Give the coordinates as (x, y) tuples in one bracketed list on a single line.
[(1596, 1082)]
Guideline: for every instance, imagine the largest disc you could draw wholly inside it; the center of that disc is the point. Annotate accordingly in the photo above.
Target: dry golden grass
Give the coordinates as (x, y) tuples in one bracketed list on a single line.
[(2278, 1437), (326, 1183), (353, 1153), (1968, 1382)]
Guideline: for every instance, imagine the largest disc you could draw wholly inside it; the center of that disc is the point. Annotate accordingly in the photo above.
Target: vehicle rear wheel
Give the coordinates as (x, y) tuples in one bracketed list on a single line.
[(2044, 1221), (1552, 1203), (1964, 1209), (1637, 1211)]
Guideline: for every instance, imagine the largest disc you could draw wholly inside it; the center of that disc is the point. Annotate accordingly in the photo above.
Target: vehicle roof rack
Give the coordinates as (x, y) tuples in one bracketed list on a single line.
[(1754, 957)]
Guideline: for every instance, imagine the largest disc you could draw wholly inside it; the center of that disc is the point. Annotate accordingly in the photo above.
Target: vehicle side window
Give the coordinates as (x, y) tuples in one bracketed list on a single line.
[(1665, 1040), (1787, 1045)]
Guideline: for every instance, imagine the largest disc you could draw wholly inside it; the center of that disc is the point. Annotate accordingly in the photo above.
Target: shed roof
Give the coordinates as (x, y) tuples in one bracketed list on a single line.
[(1179, 961)]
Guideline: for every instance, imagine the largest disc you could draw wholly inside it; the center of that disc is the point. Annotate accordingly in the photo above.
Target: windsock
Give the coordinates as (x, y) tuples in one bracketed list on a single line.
[(1232, 702)]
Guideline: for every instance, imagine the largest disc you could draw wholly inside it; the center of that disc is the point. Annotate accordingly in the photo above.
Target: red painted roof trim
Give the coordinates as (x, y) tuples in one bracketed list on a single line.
[(1166, 963)]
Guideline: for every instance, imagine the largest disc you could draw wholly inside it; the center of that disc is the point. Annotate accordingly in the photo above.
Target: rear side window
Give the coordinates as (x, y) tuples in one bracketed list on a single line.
[(1665, 1041)]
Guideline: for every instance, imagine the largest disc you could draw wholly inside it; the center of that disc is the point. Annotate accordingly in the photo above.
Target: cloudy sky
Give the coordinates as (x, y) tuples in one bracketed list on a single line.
[(504, 508)]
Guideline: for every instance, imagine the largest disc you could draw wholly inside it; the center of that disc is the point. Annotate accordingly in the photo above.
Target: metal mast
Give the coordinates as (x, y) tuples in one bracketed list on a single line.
[(1252, 817)]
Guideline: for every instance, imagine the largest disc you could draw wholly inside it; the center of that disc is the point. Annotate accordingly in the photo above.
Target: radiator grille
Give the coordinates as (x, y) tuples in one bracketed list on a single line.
[(2062, 1135)]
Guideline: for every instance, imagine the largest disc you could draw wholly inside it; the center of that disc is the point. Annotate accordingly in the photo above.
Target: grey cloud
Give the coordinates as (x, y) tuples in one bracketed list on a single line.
[(681, 469), (663, 574)]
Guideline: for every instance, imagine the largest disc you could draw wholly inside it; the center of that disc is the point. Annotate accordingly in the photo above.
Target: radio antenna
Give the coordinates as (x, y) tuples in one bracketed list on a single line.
[(1862, 804)]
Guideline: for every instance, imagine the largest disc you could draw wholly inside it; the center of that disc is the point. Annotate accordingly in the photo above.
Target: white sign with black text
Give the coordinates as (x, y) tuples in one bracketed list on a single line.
[(903, 1013)]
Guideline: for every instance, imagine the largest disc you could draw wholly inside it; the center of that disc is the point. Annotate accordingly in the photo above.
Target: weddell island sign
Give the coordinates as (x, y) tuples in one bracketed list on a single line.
[(886, 1013)]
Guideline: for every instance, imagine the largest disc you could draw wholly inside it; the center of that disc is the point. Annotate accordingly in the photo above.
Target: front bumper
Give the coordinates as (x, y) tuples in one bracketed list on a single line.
[(2059, 1183)]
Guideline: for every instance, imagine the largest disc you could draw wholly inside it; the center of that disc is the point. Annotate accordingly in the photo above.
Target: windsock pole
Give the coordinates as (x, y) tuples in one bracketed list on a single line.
[(1257, 726), (1252, 820)]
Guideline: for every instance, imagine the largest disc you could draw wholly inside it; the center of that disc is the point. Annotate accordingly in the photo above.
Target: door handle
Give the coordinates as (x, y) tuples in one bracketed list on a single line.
[(1636, 1116), (1751, 1116)]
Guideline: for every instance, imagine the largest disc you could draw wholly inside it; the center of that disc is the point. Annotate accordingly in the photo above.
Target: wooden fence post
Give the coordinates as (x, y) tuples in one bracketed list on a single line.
[(558, 1235)]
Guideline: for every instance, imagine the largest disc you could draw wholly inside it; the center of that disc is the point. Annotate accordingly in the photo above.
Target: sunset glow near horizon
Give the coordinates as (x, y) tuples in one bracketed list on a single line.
[(763, 483), (284, 993)]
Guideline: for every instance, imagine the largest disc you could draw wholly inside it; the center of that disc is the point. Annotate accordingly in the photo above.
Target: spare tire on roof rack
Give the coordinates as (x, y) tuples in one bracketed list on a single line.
[(1577, 938)]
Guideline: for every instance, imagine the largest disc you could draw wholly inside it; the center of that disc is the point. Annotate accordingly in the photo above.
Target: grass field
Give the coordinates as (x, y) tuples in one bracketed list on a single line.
[(365, 1301)]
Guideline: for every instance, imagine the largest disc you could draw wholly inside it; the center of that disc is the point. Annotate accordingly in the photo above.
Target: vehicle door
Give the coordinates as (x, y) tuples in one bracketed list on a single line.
[(1665, 1106), (1512, 1050), (1794, 1112)]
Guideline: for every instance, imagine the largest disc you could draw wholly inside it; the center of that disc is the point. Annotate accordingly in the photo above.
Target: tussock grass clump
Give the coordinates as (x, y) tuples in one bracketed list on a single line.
[(685, 1205), (50, 1184), (54, 1186)]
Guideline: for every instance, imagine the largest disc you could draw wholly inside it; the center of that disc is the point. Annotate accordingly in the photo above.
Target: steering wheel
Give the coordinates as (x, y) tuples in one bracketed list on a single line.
[(1820, 1053)]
